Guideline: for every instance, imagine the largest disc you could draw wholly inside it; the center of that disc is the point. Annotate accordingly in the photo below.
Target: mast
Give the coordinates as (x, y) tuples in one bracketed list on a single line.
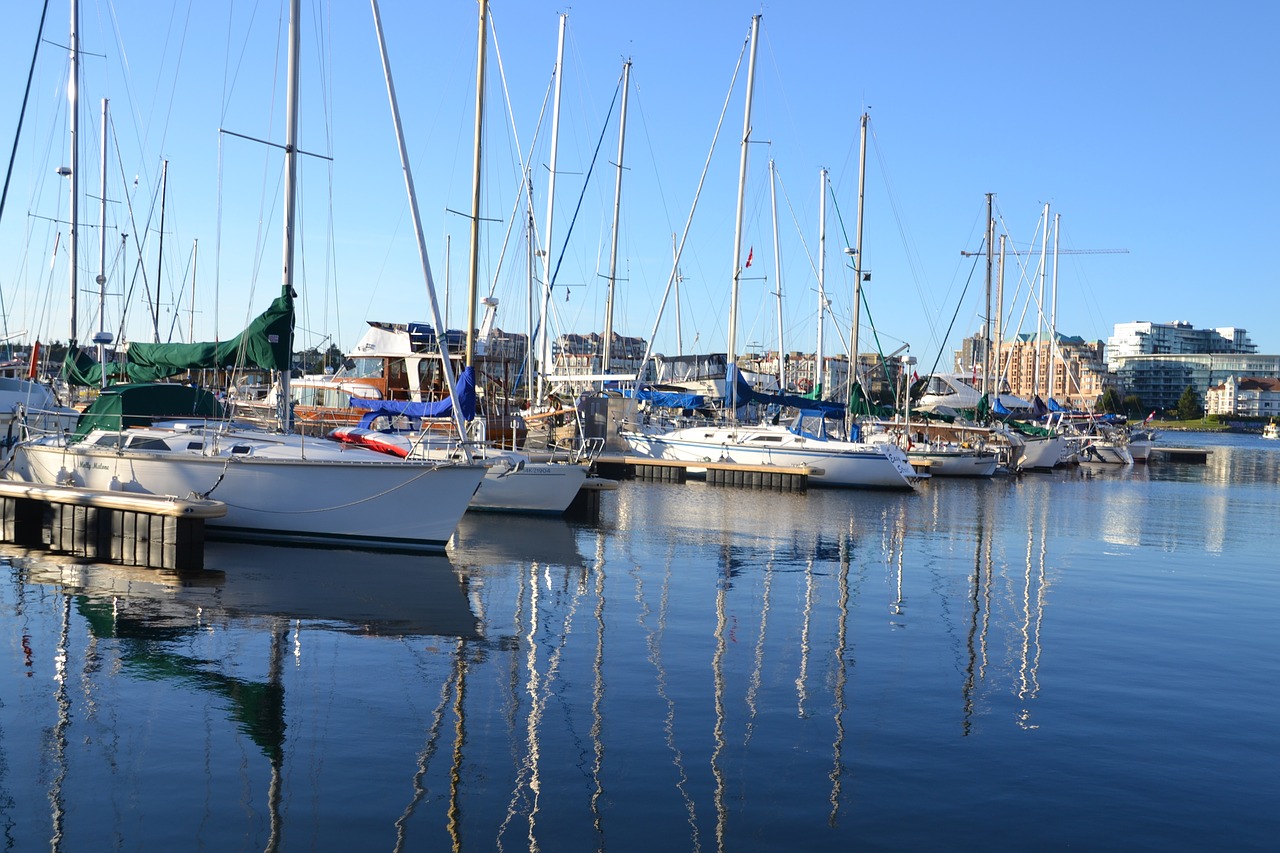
[(73, 94), (544, 350), (446, 368), (102, 338), (732, 355), (675, 261), (617, 207), (986, 330), (473, 268), (1053, 314), (290, 195), (820, 365), (777, 274), (1044, 253), (857, 257), (155, 306), (195, 257), (999, 320)]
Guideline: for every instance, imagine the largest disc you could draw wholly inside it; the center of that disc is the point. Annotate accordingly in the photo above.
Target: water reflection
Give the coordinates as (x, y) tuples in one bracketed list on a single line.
[(148, 616), (702, 668)]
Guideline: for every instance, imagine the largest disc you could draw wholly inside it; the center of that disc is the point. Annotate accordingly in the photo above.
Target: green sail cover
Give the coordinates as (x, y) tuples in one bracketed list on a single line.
[(264, 344), (122, 406), (860, 404)]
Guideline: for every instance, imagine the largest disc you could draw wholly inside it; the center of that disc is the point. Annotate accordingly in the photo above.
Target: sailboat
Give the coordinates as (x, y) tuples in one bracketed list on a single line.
[(167, 439), (513, 482), (807, 440)]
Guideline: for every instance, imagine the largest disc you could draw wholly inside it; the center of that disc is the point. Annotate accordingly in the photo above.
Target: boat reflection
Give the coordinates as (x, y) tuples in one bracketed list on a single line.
[(154, 621)]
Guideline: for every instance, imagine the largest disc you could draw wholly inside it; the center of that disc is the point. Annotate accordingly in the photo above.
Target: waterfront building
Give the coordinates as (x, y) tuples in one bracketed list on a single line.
[(1159, 380), (1079, 371), (1244, 396), (879, 376), (575, 355), (1176, 338), (1157, 362)]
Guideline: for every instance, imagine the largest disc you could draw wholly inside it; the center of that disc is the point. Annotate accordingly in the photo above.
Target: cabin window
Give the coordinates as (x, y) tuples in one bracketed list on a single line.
[(148, 444), (108, 441)]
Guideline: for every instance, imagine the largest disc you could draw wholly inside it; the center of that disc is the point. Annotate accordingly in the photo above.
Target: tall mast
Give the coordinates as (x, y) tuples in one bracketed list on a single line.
[(999, 319), (675, 256), (732, 355), (195, 257), (441, 339), (1044, 256), (777, 274), (986, 330), (290, 194), (102, 338), (857, 257), (473, 268), (819, 371), (544, 350), (155, 306), (73, 95), (617, 207), (1053, 314)]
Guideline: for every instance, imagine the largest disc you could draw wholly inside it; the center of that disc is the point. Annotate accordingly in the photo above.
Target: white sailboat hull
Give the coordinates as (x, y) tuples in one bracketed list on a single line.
[(958, 462), (833, 463), (276, 487), (541, 488)]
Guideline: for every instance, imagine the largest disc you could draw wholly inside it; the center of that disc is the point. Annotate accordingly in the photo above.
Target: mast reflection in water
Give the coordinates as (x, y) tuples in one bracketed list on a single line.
[(702, 668)]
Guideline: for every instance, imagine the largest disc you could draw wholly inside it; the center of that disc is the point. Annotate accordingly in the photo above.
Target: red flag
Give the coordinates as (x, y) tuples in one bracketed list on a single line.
[(750, 253), (1150, 416)]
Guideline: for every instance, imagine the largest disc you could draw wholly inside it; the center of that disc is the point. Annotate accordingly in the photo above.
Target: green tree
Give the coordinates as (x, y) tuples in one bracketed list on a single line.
[(1134, 408), (1189, 408), (1109, 402)]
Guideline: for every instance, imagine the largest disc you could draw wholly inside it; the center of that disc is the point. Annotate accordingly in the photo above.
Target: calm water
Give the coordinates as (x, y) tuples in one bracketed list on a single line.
[(1086, 659)]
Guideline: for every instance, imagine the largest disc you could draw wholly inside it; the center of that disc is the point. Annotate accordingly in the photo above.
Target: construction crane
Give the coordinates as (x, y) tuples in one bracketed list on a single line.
[(1058, 251)]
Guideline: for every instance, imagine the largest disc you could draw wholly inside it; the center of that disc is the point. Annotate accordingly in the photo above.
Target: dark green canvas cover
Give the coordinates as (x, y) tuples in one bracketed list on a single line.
[(123, 406), (265, 344)]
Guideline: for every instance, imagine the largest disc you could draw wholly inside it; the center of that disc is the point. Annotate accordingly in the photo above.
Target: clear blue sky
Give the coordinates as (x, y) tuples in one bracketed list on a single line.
[(1149, 127)]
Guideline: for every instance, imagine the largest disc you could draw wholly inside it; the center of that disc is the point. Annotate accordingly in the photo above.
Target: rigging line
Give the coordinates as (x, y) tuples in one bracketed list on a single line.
[(858, 291), (244, 49), (17, 134), (813, 267), (586, 182), (139, 244), (675, 265), (913, 262), (951, 325), (524, 160)]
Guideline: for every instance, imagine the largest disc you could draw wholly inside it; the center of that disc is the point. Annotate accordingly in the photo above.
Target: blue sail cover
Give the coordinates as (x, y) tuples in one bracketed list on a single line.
[(466, 391), (744, 393), (668, 399)]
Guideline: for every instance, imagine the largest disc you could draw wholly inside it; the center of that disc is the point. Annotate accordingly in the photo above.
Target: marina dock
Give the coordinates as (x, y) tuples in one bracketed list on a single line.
[(125, 528), (1194, 455), (778, 478)]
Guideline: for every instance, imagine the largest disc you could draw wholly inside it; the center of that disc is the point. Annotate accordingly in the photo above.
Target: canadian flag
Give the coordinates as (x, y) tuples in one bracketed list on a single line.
[(750, 253), (1150, 416)]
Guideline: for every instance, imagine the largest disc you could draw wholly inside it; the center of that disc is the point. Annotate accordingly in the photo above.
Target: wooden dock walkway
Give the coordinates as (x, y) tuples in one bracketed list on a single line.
[(778, 478), (126, 528)]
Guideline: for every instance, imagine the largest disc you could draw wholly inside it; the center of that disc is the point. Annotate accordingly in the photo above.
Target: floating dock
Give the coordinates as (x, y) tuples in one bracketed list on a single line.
[(778, 478), (1194, 455), (126, 528)]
